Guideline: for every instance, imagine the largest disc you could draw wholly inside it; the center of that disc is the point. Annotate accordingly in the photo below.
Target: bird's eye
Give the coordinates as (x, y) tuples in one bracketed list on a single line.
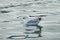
[(39, 18)]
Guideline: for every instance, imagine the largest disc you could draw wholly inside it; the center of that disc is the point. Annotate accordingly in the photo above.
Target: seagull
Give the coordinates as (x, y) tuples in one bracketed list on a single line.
[(31, 22)]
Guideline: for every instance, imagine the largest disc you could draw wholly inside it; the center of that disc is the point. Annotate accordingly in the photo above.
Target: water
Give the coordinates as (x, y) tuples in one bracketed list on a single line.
[(11, 25)]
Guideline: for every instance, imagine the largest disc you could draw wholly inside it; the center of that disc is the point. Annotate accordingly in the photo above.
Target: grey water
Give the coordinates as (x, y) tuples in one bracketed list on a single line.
[(12, 12)]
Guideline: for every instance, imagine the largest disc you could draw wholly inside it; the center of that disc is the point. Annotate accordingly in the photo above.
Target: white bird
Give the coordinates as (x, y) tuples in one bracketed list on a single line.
[(31, 22)]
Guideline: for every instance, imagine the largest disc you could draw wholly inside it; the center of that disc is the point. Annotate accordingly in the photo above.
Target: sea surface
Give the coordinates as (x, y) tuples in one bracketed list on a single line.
[(13, 11)]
